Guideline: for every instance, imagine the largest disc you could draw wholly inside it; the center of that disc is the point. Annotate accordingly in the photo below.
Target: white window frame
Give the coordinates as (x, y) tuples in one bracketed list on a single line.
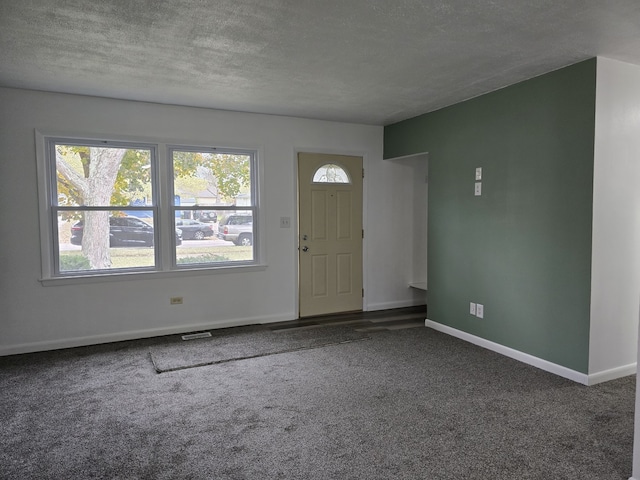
[(163, 208), (253, 208)]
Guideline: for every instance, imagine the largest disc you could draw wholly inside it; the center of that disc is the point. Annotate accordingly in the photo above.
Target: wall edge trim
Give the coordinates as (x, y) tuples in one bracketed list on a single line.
[(397, 304), (33, 347), (511, 353), (406, 157), (612, 373)]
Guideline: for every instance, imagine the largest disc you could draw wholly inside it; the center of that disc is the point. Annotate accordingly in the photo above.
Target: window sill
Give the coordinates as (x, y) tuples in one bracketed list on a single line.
[(120, 276)]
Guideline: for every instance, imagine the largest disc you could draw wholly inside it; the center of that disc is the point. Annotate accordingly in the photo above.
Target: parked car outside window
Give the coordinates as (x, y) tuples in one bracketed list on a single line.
[(237, 228), (193, 229), (124, 231), (207, 217)]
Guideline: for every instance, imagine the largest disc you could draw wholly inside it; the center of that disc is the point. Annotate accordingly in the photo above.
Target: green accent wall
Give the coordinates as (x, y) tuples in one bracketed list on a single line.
[(523, 248)]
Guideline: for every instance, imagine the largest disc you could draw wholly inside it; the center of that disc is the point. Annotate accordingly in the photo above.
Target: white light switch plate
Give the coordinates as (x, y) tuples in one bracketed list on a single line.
[(479, 173), (479, 310), (478, 189), (472, 308)]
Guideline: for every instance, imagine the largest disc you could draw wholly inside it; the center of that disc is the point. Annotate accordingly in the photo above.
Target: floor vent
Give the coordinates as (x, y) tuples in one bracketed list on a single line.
[(193, 336)]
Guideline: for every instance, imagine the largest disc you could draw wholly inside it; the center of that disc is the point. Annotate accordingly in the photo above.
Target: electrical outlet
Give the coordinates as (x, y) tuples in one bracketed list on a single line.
[(472, 308), (479, 310), (285, 222), (176, 301), (478, 189), (479, 173)]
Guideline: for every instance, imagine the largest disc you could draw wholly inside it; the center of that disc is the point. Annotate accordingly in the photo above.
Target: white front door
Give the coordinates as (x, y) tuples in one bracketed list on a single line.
[(330, 233)]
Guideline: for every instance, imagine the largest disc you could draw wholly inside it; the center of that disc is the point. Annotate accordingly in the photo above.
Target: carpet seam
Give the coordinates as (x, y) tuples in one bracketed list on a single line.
[(228, 360)]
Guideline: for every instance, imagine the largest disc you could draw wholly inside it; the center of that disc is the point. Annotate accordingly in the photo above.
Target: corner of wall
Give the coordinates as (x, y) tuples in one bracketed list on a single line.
[(615, 262)]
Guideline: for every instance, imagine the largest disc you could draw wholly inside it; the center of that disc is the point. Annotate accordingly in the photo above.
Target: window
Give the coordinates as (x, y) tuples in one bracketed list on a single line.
[(104, 213), (211, 189), (331, 173)]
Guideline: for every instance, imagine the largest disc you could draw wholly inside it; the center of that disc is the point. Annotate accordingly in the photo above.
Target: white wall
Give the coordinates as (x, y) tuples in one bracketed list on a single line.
[(615, 271), (36, 317), (415, 216), (420, 166)]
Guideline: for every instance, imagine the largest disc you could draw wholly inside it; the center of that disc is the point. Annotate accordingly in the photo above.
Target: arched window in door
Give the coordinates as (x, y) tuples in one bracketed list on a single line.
[(331, 173)]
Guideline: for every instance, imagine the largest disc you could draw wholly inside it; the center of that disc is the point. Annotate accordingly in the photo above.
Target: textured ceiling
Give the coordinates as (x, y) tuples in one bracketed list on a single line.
[(365, 61)]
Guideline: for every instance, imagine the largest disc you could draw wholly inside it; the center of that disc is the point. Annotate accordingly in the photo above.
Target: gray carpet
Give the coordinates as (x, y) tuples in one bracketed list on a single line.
[(244, 343), (405, 404)]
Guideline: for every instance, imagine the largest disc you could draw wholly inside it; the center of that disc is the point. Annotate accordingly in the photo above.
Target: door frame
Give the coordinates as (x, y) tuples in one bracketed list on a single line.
[(296, 226)]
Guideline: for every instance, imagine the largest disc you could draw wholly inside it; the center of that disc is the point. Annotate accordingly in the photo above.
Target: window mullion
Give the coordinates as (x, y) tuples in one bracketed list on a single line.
[(164, 194)]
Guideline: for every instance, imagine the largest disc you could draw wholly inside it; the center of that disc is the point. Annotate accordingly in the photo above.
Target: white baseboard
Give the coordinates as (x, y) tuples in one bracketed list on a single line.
[(511, 353), (590, 379), (612, 373), (135, 334)]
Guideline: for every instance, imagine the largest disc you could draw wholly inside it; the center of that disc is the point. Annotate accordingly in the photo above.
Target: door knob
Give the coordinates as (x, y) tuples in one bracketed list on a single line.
[(305, 248)]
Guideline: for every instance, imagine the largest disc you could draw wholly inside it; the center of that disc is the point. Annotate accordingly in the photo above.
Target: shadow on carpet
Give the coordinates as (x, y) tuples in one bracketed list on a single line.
[(243, 343)]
